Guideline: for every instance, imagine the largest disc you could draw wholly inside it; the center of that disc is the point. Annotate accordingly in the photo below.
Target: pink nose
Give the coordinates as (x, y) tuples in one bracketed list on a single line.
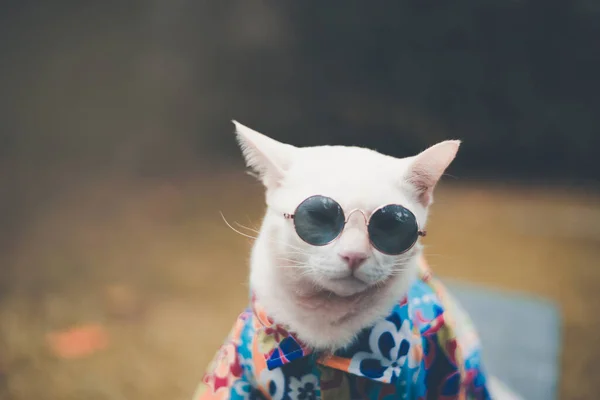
[(354, 259)]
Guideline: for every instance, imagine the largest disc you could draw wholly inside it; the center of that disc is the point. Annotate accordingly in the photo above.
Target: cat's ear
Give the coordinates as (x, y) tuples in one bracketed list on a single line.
[(267, 157), (426, 169)]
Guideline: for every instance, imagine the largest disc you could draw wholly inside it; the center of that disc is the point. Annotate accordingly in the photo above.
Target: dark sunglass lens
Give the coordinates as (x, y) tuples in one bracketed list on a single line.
[(393, 229), (319, 220)]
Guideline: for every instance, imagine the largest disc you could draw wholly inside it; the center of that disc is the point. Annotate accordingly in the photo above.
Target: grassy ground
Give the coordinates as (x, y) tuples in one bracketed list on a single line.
[(158, 268)]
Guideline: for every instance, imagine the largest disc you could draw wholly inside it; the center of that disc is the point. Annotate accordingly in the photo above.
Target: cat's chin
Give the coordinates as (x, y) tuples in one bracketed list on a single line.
[(340, 297), (343, 287), (341, 309), (330, 320), (349, 288)]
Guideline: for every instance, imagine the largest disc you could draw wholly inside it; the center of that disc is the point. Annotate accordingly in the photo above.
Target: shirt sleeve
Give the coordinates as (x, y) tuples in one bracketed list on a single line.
[(226, 378), (475, 378)]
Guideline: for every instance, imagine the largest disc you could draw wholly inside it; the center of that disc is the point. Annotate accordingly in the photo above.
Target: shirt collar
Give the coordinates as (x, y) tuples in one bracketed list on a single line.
[(280, 346)]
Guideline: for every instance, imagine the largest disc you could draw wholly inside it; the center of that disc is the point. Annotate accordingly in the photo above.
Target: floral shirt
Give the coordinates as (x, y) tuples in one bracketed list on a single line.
[(425, 349)]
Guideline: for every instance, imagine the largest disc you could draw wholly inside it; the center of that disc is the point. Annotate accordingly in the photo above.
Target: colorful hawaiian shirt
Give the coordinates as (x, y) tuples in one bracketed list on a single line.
[(426, 348)]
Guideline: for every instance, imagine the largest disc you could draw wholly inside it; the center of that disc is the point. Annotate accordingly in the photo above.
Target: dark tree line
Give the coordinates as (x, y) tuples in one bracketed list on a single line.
[(150, 86)]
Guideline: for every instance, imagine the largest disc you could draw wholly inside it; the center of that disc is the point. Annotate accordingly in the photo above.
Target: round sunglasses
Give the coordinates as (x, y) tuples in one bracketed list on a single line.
[(319, 220)]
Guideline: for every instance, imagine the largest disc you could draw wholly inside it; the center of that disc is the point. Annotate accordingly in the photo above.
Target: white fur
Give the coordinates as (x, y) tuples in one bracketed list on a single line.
[(311, 289)]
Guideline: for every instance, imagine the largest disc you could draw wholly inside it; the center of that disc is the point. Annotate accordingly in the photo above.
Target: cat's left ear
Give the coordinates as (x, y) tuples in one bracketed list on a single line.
[(426, 169), (267, 157)]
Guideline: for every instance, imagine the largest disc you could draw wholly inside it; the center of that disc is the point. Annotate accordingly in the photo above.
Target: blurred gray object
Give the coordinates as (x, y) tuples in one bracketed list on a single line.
[(520, 336)]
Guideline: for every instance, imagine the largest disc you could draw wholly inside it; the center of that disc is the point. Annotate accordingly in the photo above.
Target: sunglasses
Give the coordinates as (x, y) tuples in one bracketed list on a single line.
[(320, 220)]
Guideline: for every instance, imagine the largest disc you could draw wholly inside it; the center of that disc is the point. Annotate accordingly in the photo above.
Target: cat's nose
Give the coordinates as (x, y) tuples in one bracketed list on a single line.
[(354, 259)]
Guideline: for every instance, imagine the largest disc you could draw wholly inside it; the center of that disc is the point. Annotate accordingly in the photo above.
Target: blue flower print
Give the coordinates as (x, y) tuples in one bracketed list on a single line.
[(305, 388), (390, 350), (274, 382)]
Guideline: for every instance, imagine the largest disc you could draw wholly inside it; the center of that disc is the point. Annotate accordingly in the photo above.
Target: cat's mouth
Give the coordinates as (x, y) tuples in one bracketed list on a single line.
[(342, 298), (331, 297), (347, 288), (345, 301)]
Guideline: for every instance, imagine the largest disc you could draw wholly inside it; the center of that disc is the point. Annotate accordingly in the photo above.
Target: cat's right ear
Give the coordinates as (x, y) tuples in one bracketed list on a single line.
[(428, 167), (267, 157)]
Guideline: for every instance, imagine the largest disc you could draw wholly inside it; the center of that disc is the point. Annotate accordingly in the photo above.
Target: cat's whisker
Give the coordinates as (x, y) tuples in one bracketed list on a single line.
[(307, 268), (296, 266), (297, 256), (399, 268), (235, 230), (400, 264), (293, 254), (380, 284), (250, 223), (290, 260), (302, 271), (299, 251), (246, 227), (257, 232), (293, 259)]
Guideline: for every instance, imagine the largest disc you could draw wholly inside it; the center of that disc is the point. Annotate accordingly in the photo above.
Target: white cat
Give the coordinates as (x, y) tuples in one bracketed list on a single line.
[(326, 294), (316, 293)]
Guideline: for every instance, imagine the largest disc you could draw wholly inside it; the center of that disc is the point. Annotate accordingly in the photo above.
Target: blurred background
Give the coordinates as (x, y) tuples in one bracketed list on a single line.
[(118, 278)]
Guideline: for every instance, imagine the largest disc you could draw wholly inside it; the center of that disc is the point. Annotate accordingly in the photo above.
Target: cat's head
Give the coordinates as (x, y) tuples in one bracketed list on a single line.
[(360, 181)]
